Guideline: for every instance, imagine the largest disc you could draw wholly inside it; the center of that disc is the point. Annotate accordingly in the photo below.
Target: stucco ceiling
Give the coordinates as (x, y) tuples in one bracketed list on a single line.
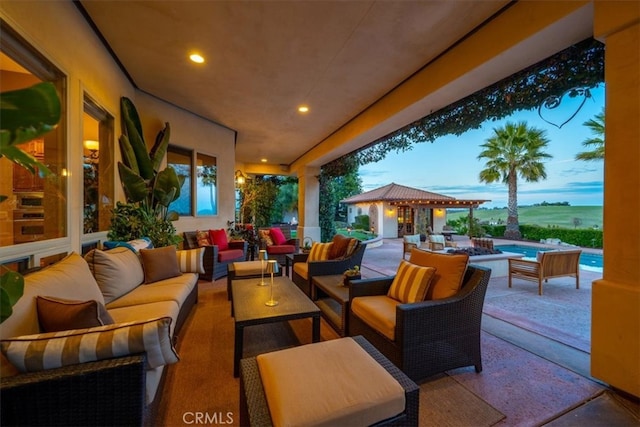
[(264, 59)]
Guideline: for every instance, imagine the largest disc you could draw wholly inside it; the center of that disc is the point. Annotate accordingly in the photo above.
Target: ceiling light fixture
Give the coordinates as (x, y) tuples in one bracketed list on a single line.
[(303, 109), (198, 59), (263, 160)]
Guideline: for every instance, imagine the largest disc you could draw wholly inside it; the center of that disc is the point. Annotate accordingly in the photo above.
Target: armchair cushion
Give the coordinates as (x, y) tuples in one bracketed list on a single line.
[(219, 238), (340, 246), (191, 260), (30, 353), (203, 238), (320, 251), (449, 272), (117, 271), (55, 314), (377, 311), (160, 263), (412, 238), (281, 249), (230, 255), (411, 282), (277, 236)]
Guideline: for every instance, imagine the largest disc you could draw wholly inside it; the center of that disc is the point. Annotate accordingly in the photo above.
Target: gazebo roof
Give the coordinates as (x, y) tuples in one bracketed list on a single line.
[(396, 194)]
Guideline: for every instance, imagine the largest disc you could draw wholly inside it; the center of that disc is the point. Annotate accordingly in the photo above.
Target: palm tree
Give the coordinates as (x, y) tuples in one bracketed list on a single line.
[(514, 150), (595, 144)]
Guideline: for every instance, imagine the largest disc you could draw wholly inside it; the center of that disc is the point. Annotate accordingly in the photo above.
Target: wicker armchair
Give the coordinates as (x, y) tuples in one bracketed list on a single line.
[(430, 336), (325, 268), (215, 261), (438, 242)]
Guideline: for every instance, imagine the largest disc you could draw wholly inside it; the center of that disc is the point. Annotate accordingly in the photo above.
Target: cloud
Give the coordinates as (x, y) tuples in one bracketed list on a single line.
[(579, 170)]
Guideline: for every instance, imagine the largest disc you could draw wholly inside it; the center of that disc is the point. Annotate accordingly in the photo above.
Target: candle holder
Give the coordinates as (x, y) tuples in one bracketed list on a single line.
[(262, 256), (272, 268)]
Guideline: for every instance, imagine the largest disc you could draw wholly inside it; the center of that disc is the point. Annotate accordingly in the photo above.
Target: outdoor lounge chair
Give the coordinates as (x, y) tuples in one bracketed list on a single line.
[(438, 242), (548, 264), (430, 336)]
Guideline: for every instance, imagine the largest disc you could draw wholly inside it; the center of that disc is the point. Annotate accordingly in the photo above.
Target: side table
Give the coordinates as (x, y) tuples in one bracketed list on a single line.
[(332, 298)]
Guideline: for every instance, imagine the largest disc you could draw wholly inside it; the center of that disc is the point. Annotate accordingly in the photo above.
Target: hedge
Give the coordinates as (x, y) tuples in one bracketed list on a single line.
[(585, 237)]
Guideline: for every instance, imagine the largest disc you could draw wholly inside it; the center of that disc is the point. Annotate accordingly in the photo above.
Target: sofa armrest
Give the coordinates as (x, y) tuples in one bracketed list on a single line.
[(106, 392), (370, 287), (239, 244)]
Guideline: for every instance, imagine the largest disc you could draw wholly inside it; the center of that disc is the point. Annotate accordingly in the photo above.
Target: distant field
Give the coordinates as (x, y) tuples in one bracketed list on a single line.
[(560, 216)]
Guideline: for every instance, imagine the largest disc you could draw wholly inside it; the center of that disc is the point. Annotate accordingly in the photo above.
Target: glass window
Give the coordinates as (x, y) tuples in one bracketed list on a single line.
[(207, 195), (180, 159), (98, 168), (32, 207)]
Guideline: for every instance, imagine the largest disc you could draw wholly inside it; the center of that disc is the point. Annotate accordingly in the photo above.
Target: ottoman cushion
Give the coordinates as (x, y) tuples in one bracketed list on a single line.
[(328, 383), (248, 268)]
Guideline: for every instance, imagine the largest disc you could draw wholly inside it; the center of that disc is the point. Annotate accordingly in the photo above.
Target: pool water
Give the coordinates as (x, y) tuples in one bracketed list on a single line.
[(586, 259)]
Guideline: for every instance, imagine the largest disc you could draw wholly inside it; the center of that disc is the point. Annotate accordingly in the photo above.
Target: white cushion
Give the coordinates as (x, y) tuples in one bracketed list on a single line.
[(412, 238)]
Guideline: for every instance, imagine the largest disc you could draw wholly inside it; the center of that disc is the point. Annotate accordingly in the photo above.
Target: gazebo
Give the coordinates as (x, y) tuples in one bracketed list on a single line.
[(395, 210)]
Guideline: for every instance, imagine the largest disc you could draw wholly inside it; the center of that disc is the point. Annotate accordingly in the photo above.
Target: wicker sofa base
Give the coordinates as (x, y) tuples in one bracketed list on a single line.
[(254, 409)]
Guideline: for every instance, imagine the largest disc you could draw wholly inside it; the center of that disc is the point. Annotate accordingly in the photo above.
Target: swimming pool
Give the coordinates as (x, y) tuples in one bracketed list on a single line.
[(586, 259)]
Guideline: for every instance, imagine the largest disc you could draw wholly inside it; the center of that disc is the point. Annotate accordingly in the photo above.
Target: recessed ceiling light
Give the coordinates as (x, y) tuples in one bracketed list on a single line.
[(198, 59), (263, 160), (303, 109)]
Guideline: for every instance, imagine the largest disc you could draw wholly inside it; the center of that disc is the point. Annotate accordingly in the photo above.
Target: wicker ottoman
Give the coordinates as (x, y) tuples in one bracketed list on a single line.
[(245, 270), (254, 409)]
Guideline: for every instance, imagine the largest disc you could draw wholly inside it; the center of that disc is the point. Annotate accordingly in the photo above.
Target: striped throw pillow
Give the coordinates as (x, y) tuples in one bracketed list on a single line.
[(411, 283), (190, 260), (30, 353), (319, 251)]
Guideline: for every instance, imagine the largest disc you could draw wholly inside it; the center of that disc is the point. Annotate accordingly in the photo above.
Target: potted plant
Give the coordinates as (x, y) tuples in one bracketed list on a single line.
[(149, 191), (351, 274), (306, 245), (26, 114)]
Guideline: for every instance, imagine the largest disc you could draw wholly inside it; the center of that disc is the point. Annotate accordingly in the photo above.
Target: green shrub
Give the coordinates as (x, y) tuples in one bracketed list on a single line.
[(361, 222), (586, 237)]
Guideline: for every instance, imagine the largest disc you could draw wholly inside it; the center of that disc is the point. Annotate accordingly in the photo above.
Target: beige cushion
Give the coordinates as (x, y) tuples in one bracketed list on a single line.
[(248, 268), (159, 263), (412, 238), (62, 314), (53, 350), (117, 271), (411, 282), (190, 260), (141, 312), (449, 274), (320, 251), (331, 383), (377, 311), (174, 289), (437, 238), (69, 278)]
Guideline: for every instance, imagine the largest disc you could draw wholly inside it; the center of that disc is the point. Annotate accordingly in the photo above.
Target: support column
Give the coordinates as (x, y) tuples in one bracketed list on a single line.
[(615, 323), (309, 204)]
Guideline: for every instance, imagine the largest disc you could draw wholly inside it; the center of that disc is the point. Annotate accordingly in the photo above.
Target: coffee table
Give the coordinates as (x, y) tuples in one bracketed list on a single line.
[(249, 309), (332, 297)]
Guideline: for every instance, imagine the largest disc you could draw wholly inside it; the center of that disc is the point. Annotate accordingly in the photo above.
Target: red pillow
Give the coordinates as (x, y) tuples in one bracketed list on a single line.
[(219, 238), (278, 236)]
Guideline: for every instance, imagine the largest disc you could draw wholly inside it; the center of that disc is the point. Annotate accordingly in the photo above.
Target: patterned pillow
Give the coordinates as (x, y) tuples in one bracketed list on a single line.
[(159, 264), (411, 283), (351, 247), (30, 353), (319, 251), (55, 314), (203, 238), (190, 260), (266, 236)]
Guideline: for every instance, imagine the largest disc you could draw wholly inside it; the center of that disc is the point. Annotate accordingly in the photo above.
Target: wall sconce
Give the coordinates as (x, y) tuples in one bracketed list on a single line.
[(94, 150), (240, 177), (439, 212)]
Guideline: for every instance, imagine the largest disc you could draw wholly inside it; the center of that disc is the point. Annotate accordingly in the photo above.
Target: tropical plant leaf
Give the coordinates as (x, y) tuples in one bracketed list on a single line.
[(173, 216), (136, 139), (11, 290), (130, 113), (26, 160), (159, 148), (128, 156), (28, 113), (135, 187), (167, 186)]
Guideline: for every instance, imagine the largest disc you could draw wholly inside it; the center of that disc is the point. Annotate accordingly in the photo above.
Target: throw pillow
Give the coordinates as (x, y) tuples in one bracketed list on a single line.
[(190, 260), (412, 238), (351, 247), (319, 251), (449, 274), (133, 245), (30, 353), (265, 235), (219, 238), (277, 236), (411, 283), (117, 271), (340, 245), (203, 238), (160, 263), (61, 314)]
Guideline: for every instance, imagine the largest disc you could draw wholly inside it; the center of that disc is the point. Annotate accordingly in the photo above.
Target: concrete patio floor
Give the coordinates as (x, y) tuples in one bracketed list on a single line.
[(535, 350)]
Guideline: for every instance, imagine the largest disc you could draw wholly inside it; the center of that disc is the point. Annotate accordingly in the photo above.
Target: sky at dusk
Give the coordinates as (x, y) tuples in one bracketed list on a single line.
[(450, 165)]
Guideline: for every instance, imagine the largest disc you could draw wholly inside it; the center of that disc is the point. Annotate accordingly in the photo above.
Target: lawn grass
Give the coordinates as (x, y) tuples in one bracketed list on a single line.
[(553, 216), (358, 234)]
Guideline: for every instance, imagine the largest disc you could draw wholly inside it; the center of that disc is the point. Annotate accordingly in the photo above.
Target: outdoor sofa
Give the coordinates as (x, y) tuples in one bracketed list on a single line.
[(218, 253), (110, 374)]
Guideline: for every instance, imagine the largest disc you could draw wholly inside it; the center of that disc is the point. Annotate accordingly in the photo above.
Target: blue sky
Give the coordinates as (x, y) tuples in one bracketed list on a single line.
[(450, 165)]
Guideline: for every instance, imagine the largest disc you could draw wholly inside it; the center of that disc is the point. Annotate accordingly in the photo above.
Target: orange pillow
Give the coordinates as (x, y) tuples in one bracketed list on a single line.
[(339, 248), (449, 274), (319, 251), (411, 282)]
